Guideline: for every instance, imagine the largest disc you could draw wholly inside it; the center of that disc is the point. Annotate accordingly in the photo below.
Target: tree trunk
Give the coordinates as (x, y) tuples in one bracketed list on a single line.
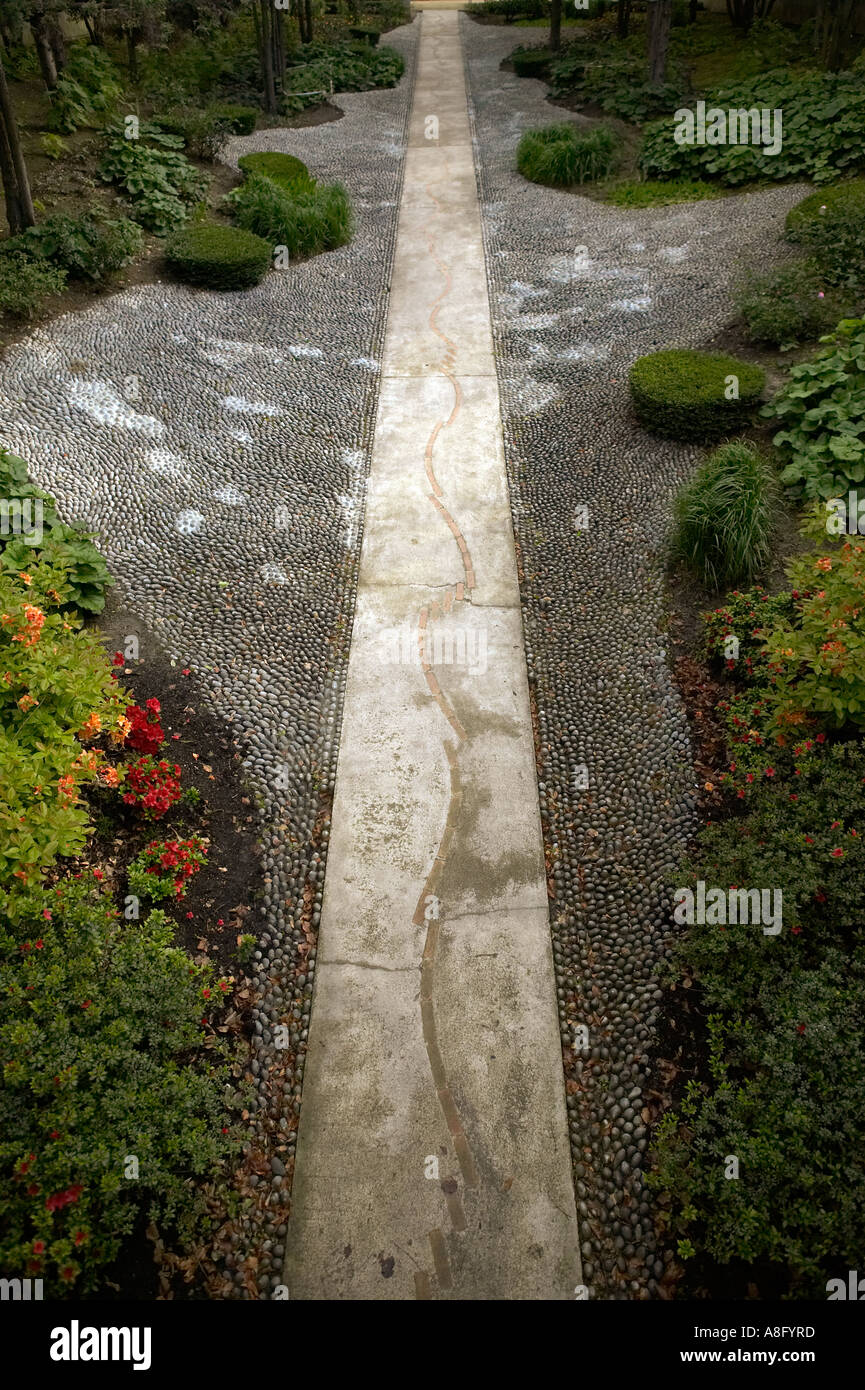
[(44, 51), (659, 16), (279, 50), (623, 18), (555, 25), (834, 22), (10, 185), (58, 43), (692, 11), (20, 204), (132, 54), (267, 56), (307, 9)]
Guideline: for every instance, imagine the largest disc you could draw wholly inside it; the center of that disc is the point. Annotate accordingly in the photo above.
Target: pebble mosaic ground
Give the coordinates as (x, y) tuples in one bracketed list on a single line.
[(218, 445), (578, 291)]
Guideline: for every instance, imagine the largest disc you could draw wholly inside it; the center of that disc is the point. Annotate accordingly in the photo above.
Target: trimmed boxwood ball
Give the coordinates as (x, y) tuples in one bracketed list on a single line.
[(218, 257), (681, 393), (284, 169), (831, 223), (563, 155)]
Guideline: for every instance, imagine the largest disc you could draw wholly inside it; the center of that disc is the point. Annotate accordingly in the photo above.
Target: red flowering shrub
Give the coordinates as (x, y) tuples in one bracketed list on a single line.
[(164, 867), (146, 734), (153, 787)]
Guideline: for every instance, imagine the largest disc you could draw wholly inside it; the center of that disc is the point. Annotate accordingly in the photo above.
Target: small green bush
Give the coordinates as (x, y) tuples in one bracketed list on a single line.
[(89, 247), (788, 305), (616, 82), (26, 282), (531, 62), (241, 120), (725, 516), (831, 224), (822, 411), (218, 257), (290, 173), (339, 67), (561, 155), (204, 130), (305, 222), (682, 393)]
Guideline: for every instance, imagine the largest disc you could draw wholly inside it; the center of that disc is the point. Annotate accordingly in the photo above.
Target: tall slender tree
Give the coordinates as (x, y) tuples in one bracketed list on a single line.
[(660, 17), (623, 18), (20, 212), (834, 27), (555, 25)]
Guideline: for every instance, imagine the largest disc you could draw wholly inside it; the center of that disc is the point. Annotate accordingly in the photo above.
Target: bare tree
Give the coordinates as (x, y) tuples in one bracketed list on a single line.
[(834, 25)]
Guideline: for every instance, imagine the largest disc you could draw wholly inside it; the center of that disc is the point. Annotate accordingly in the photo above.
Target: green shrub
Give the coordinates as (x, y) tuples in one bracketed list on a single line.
[(649, 193), (88, 247), (71, 553), (561, 155), (204, 130), (53, 147), (25, 282), (290, 173), (305, 222), (218, 257), (56, 679), (105, 1059), (160, 183), (817, 661), (15, 486), (164, 868), (531, 62), (364, 34), (615, 80), (822, 411), (338, 67), (823, 132), (794, 1120), (725, 516), (682, 394), (788, 304), (831, 224), (88, 87)]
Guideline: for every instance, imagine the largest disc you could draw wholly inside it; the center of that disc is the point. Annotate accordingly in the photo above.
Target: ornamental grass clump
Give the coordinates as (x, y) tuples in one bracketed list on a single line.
[(725, 516), (561, 156)]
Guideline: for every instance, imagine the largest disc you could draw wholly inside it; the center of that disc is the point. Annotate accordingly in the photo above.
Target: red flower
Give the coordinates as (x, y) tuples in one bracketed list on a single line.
[(836, 853), (38, 1247), (87, 1003), (118, 659)]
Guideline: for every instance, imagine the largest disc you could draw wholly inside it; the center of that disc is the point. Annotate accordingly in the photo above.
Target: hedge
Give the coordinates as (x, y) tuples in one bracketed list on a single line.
[(218, 257), (682, 394)]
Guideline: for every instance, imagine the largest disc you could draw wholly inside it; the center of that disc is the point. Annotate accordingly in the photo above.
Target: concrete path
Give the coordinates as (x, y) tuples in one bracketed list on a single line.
[(433, 1157)]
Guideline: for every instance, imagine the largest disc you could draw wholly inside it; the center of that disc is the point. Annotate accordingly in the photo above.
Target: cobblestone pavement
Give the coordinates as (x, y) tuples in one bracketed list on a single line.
[(579, 290)]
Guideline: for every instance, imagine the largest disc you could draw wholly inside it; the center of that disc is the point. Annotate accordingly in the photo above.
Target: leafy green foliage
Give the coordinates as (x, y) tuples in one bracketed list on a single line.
[(88, 88), (88, 247), (725, 516), (615, 80), (158, 180), (823, 132), (339, 67), (26, 283), (56, 686), (683, 394), (53, 147), (204, 130), (831, 224), (71, 553), (562, 155), (789, 304), (822, 411), (218, 257), (100, 1022), (164, 867)]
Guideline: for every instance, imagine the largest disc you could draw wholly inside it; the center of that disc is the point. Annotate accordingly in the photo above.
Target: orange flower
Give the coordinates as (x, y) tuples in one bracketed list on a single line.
[(824, 563), (26, 577), (124, 727), (27, 702), (110, 776), (66, 787), (90, 728)]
